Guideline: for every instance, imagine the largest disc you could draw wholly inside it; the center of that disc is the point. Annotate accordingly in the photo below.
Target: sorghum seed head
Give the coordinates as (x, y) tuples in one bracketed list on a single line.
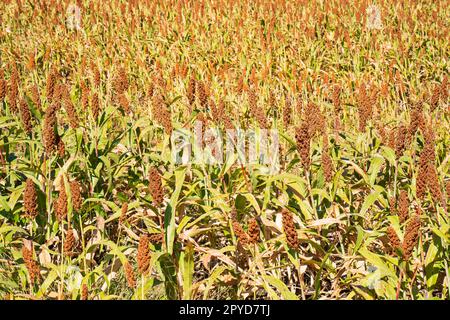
[(336, 98), (241, 235), (143, 256), (75, 190), (201, 95), (315, 119), (70, 108), (26, 116), (303, 144), (123, 214), (35, 97), (394, 241), (96, 73), (31, 63), (12, 98), (287, 112), (433, 184), (421, 180), (129, 274), (49, 135), (51, 83), (3, 86), (403, 206), (156, 238), (434, 100), (289, 229), (150, 90), (191, 90), (393, 205), (443, 90), (400, 143), (30, 199), (162, 113), (256, 111), (155, 186), (363, 107), (417, 119), (121, 83), (253, 230), (31, 264), (124, 103), (84, 292), (95, 106), (69, 243), (411, 236), (60, 146), (84, 95), (14, 88)]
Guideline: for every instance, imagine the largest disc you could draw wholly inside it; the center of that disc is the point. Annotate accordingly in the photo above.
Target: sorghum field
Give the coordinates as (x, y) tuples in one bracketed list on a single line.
[(92, 205)]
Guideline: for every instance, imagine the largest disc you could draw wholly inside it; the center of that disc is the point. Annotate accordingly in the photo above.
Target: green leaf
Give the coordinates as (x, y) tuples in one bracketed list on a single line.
[(169, 217), (375, 260), (187, 270), (369, 201), (286, 294), (212, 279), (251, 198), (389, 154), (52, 275), (374, 169), (169, 274), (430, 270)]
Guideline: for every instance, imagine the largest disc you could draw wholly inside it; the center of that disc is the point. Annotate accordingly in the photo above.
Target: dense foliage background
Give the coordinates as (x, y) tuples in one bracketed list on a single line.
[(91, 207)]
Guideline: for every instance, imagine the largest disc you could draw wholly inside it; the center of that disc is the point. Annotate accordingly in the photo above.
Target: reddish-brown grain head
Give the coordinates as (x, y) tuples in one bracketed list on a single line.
[(51, 83), (84, 292), (303, 144), (241, 235), (143, 256), (30, 199), (253, 230), (123, 213), (36, 97), (70, 108), (287, 112), (3, 86), (95, 105), (289, 229), (26, 116), (124, 103), (60, 146), (401, 140), (200, 92), (31, 265), (403, 206), (155, 186), (69, 243), (394, 240), (49, 134), (75, 189), (191, 90), (129, 274), (411, 236), (156, 238)]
